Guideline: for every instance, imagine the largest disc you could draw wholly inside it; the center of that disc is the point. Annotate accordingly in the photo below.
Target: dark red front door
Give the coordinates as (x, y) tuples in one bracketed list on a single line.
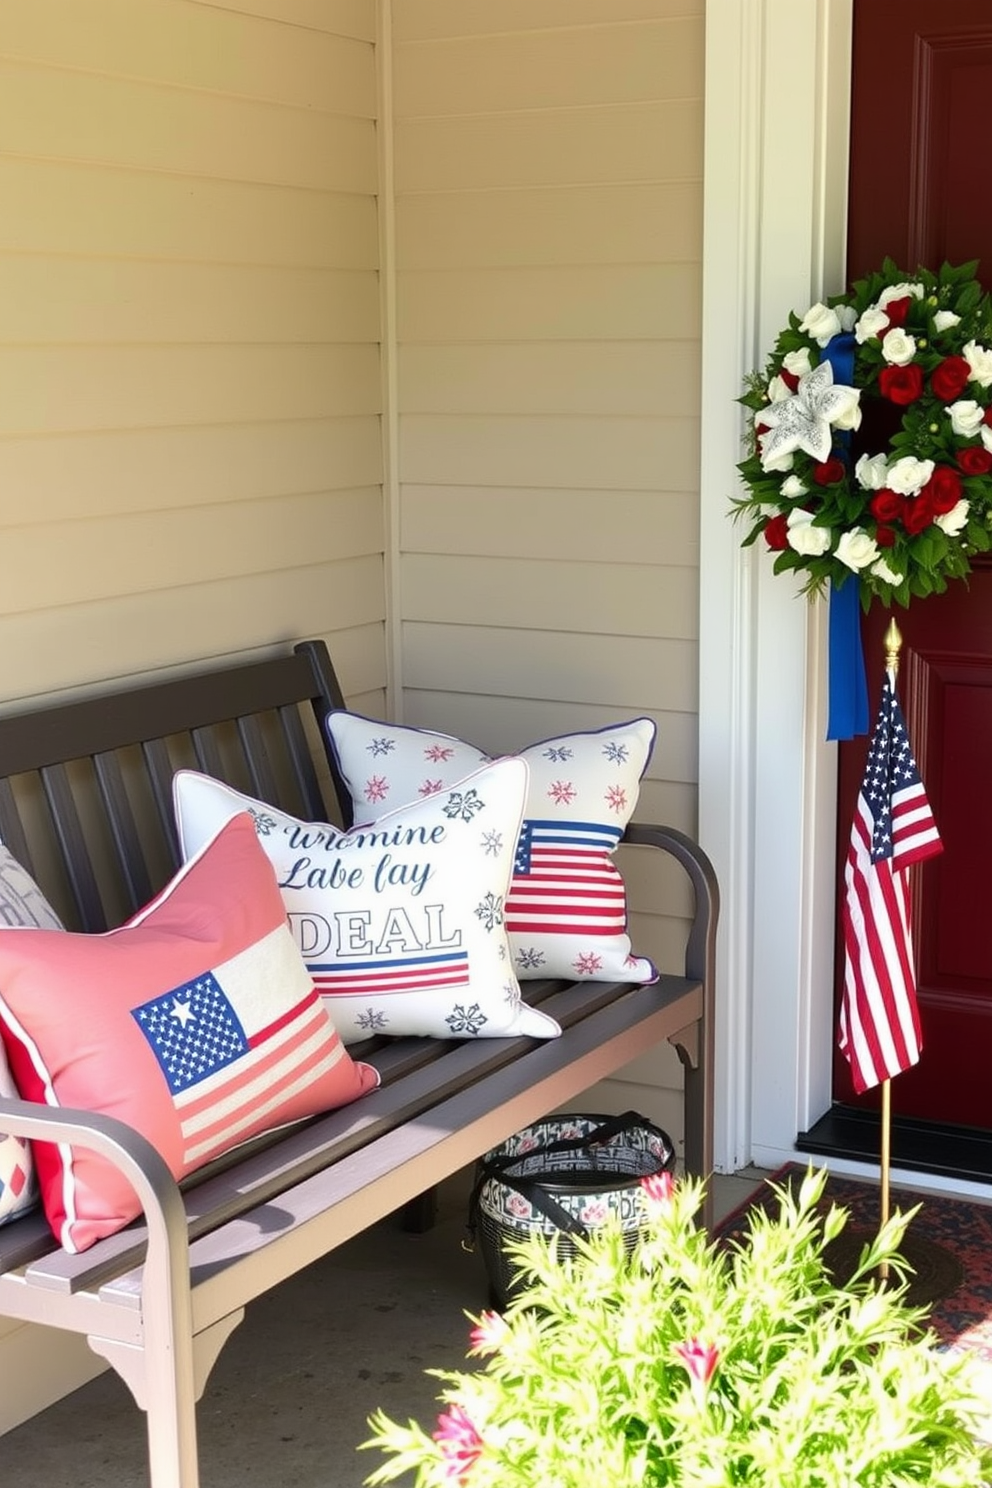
[(921, 192)]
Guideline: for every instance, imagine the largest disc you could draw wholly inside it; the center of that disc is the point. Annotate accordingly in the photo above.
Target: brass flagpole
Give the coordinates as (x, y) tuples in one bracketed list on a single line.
[(893, 645)]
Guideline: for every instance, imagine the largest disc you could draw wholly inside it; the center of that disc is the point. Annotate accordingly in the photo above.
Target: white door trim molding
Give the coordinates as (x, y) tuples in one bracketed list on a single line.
[(777, 84)]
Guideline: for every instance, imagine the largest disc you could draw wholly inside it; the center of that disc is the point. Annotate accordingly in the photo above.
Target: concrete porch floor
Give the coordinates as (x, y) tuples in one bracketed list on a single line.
[(288, 1400)]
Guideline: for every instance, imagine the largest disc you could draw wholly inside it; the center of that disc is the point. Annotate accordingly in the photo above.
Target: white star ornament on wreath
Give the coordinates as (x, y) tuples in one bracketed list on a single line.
[(804, 421)]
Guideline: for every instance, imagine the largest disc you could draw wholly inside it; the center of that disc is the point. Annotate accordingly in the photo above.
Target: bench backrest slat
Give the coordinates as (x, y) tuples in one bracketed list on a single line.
[(301, 757), (74, 847), (207, 751), (262, 779), (159, 770), (12, 828), (330, 689), (131, 861), (254, 726)]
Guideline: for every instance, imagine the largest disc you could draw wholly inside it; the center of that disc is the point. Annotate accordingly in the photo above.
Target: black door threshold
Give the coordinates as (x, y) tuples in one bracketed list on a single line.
[(962, 1152)]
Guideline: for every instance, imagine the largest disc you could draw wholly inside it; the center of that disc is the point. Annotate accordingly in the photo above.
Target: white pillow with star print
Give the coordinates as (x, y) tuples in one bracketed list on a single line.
[(566, 912), (401, 924)]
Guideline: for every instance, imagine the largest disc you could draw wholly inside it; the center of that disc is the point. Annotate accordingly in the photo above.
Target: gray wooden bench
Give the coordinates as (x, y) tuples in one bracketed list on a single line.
[(159, 1299)]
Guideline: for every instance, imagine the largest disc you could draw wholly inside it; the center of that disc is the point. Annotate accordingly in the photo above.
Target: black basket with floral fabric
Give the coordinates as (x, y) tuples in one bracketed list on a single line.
[(563, 1176)]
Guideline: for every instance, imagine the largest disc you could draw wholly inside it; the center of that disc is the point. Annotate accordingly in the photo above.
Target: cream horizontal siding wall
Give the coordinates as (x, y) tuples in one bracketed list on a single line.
[(189, 323), (548, 198), (190, 456)]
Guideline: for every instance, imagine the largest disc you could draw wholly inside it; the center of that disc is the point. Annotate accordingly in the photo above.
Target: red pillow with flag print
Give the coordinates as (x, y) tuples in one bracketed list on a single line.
[(196, 1023)]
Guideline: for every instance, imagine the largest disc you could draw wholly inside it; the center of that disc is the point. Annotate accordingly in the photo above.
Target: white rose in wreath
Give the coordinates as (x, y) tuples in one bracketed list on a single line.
[(792, 487), (979, 359), (899, 292), (898, 349), (908, 476), (872, 472), (849, 416), (821, 323), (882, 571), (966, 417), (857, 549), (798, 362), (870, 324), (778, 389), (952, 522), (804, 538), (777, 463)]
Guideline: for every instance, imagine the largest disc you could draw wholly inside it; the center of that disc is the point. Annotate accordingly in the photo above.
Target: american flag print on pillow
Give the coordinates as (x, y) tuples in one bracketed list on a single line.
[(402, 922), (196, 1023), (566, 911), (227, 1061)]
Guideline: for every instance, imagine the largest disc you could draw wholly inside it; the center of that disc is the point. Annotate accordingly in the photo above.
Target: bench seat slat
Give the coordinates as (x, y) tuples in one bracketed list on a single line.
[(231, 1265), (381, 1162), (24, 1240), (416, 1074)]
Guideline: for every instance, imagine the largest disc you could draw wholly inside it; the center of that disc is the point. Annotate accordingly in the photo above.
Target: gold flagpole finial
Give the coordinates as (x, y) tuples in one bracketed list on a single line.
[(893, 645)]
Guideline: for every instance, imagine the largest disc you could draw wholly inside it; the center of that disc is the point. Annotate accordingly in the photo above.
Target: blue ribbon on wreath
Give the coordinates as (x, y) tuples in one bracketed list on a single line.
[(847, 685)]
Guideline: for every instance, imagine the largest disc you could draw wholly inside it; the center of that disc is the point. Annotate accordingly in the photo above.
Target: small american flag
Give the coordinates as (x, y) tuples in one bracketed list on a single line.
[(226, 1067), (564, 880), (893, 828), (391, 974)]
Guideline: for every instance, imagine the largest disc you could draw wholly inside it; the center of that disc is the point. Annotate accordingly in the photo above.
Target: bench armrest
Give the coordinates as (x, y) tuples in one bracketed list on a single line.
[(700, 950), (141, 1164)]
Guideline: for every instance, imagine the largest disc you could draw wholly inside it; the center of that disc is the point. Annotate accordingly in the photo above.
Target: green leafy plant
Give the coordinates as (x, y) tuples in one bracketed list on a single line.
[(692, 1363)]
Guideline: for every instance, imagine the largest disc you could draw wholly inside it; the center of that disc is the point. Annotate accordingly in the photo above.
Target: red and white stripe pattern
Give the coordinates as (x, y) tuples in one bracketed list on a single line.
[(396, 974), (880, 1033), (229, 1065), (565, 881)]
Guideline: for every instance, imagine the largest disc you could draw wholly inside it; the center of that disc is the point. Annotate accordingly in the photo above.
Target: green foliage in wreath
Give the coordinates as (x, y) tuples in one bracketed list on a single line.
[(870, 449)]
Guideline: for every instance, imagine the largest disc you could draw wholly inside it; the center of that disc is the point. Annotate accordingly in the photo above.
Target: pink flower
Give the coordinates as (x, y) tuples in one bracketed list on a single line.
[(700, 1359), (460, 1443), (658, 1188), (488, 1334)]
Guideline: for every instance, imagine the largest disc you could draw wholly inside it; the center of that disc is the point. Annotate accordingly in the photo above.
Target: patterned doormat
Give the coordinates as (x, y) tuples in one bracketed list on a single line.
[(948, 1244)]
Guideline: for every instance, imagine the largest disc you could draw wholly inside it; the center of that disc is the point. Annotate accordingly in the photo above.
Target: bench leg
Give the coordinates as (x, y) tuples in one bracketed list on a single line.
[(172, 1456), (696, 1056), (167, 1396), (420, 1214)]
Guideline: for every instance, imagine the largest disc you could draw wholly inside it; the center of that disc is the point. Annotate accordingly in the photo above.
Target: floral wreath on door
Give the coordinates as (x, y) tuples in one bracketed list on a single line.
[(902, 515), (868, 466)]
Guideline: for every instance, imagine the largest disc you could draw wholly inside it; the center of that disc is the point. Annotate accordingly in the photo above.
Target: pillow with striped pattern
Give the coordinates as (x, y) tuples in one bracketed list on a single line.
[(566, 912)]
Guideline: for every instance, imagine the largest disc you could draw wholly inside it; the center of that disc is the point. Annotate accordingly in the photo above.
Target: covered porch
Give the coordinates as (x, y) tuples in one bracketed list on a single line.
[(420, 326)]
